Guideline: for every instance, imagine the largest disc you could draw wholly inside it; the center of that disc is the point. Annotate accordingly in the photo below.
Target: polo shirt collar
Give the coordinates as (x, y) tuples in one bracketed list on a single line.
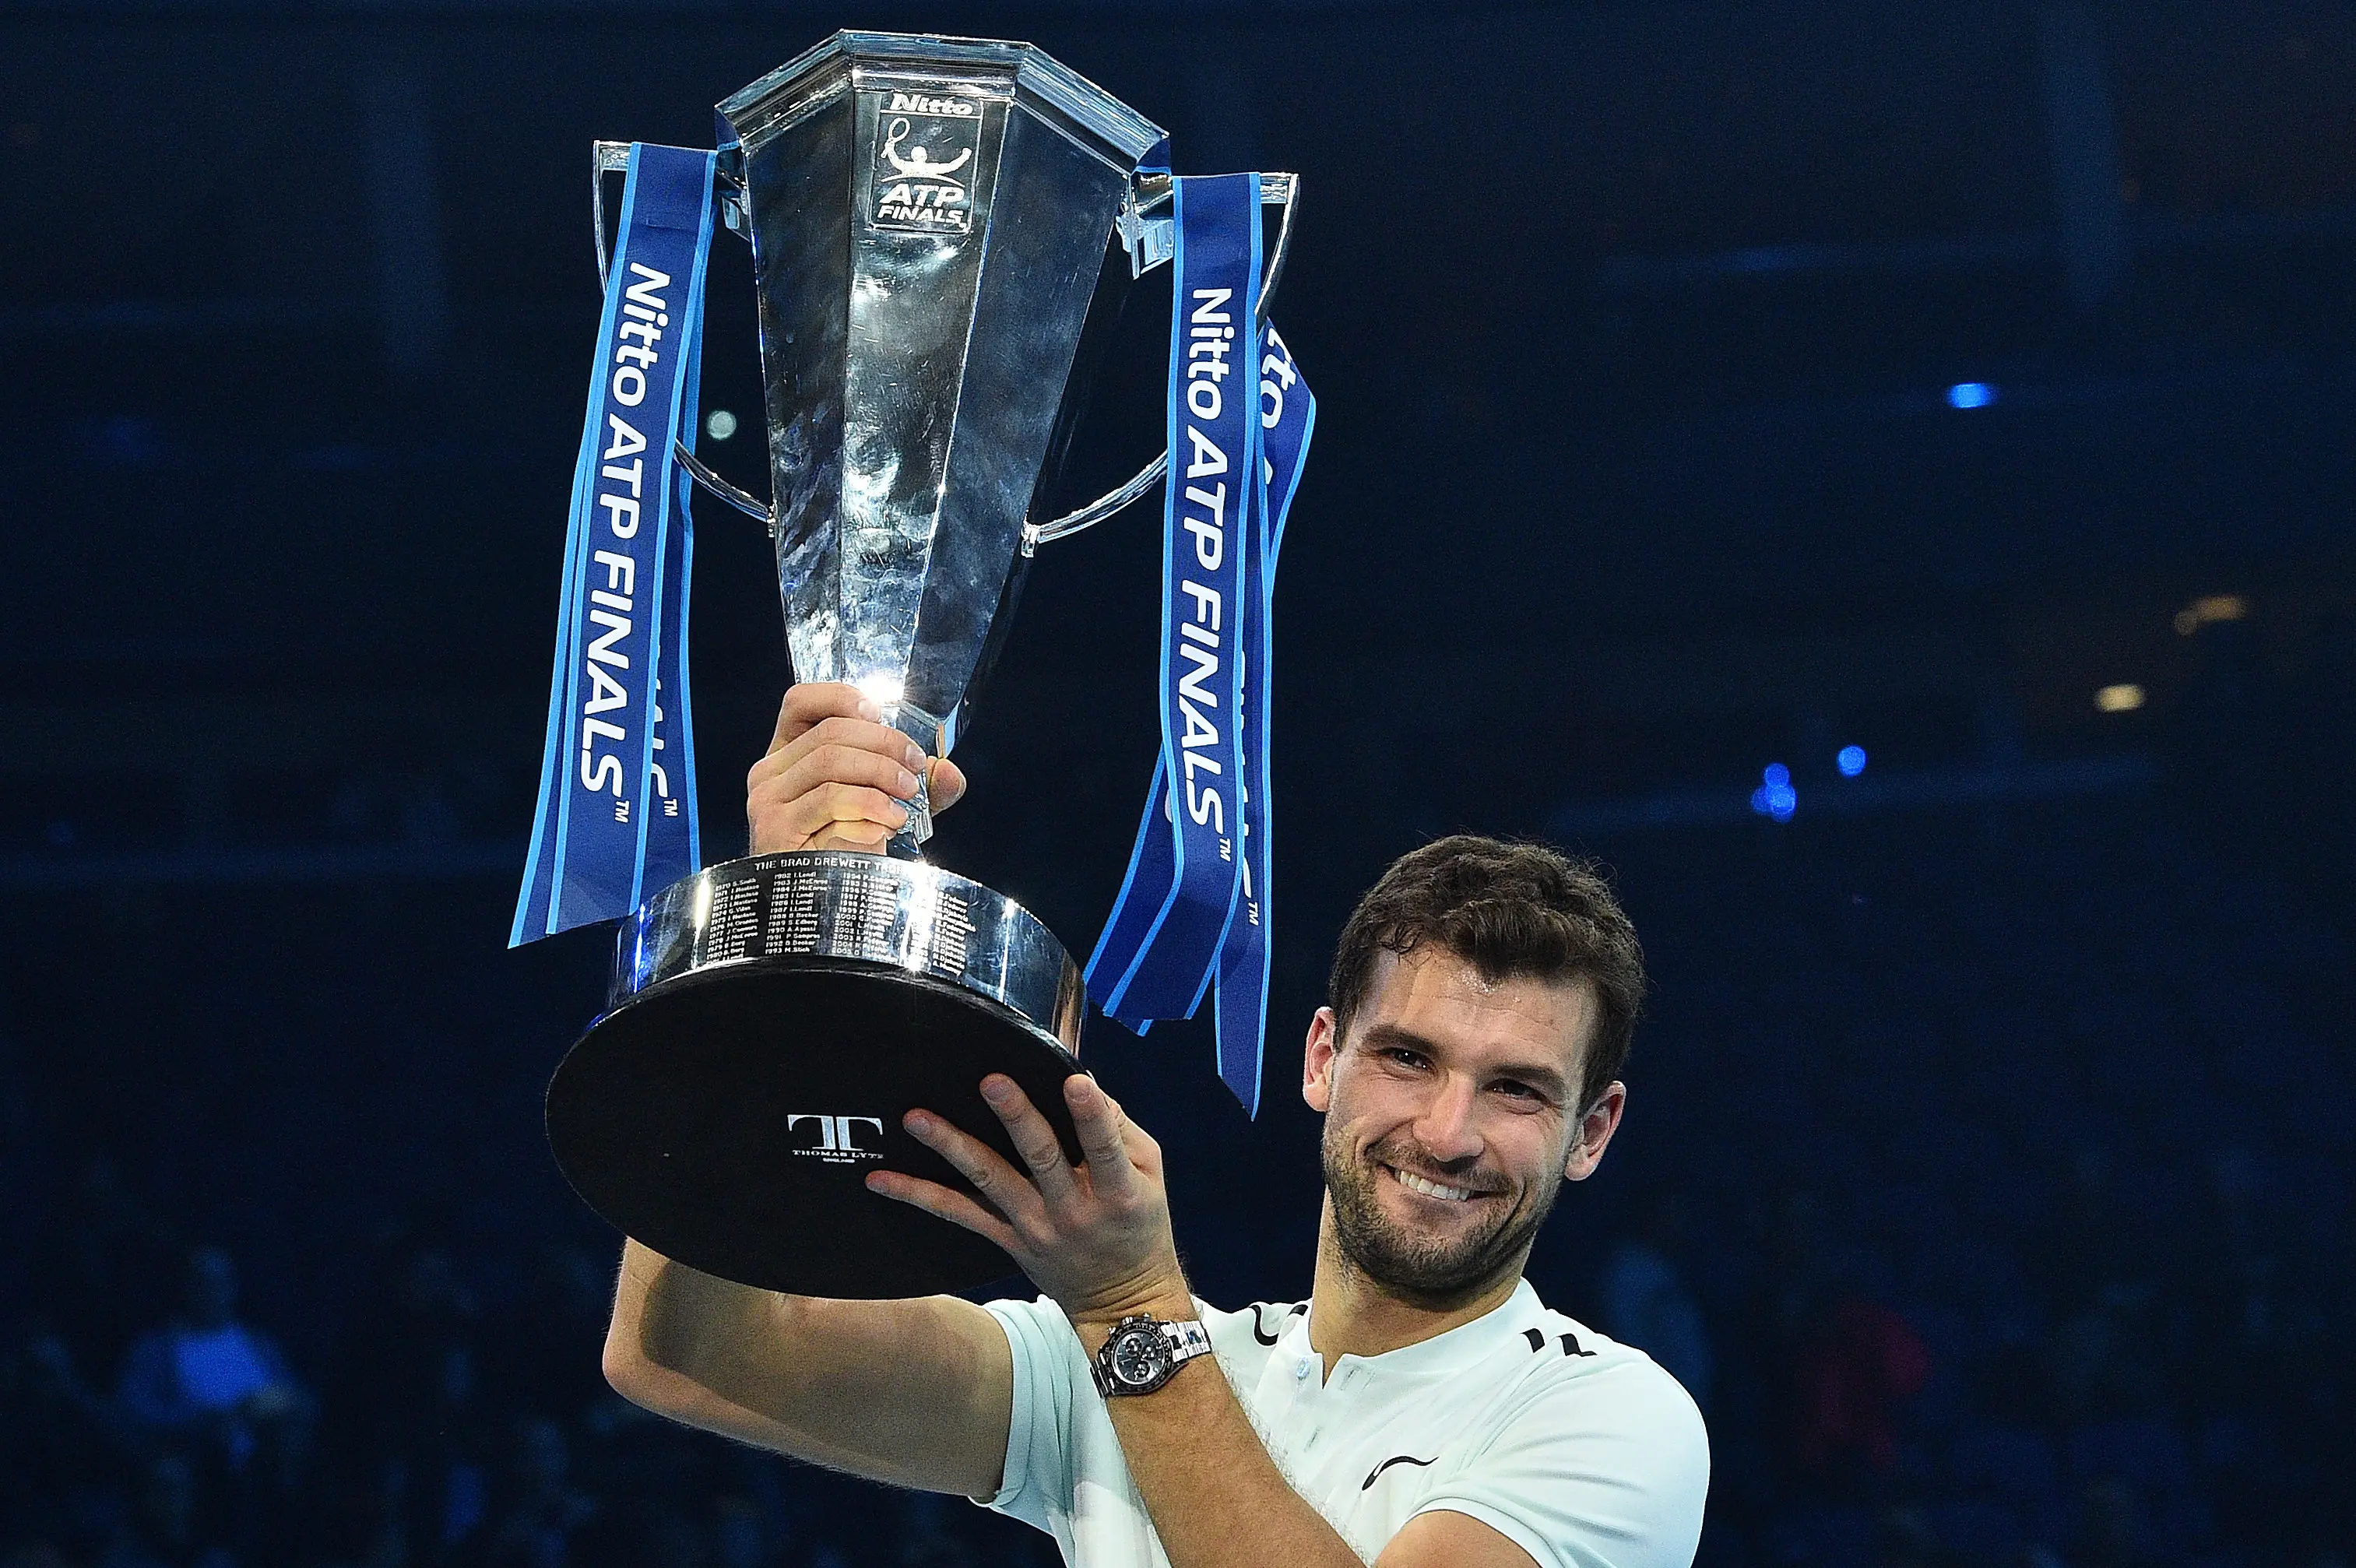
[(1443, 1354)]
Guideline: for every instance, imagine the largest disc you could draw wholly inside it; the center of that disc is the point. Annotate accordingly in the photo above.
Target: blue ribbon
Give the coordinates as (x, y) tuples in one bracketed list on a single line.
[(1288, 418), (617, 810), (1194, 909)]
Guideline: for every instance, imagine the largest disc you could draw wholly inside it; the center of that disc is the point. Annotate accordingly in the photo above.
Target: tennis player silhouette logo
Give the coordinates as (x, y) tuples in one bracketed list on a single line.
[(917, 163), (921, 175)]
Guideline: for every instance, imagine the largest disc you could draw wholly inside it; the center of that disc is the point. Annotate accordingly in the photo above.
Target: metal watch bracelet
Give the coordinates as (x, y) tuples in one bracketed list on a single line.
[(1165, 1346)]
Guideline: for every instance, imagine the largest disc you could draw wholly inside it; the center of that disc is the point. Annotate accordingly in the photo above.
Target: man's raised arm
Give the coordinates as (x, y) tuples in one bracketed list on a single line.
[(917, 1393), (914, 1393)]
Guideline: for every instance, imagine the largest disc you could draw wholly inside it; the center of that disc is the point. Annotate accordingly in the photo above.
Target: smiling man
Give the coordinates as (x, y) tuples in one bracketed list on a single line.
[(1422, 1409)]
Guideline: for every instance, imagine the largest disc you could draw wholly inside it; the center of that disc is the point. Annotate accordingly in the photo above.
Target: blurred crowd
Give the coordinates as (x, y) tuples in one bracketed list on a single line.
[(147, 1422), (1989, 1190)]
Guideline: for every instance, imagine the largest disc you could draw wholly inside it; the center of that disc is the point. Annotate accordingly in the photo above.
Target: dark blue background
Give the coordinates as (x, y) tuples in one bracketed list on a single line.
[(1996, 1099)]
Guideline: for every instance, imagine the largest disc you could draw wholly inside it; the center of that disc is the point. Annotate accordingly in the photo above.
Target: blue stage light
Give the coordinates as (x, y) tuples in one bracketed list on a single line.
[(1775, 798), (1970, 395), (1850, 760)]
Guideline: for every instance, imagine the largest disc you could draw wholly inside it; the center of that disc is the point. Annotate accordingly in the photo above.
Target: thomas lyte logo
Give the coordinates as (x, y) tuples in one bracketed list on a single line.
[(837, 1140), (924, 163)]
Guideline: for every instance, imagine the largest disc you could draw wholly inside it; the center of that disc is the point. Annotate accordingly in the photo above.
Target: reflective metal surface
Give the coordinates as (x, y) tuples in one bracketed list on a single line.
[(839, 905), (751, 506), (1025, 307), (930, 222), (1034, 534)]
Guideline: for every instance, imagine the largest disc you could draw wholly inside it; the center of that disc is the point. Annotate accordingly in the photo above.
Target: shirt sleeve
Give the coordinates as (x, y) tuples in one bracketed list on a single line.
[(1037, 1477), (1606, 1471)]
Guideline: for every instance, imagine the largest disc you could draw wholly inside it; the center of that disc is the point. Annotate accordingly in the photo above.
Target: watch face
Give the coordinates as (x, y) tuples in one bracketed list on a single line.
[(1140, 1355)]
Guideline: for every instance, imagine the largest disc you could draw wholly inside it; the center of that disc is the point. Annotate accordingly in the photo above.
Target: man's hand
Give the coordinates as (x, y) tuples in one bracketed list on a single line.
[(1096, 1238), (836, 775)]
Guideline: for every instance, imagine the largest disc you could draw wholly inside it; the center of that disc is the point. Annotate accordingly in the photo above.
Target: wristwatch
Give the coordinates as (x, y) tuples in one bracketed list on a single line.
[(1143, 1352)]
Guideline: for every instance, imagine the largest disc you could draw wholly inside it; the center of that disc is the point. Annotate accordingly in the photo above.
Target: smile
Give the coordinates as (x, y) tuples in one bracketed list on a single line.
[(1415, 1183)]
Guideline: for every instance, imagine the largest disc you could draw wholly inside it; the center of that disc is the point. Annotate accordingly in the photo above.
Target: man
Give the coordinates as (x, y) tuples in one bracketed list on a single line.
[(1422, 1409)]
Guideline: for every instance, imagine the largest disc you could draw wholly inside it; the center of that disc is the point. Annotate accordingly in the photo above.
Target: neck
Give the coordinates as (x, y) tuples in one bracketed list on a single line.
[(1352, 1314)]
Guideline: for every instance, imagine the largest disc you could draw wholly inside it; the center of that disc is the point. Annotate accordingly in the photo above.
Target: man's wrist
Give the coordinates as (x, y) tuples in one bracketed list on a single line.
[(1165, 1303)]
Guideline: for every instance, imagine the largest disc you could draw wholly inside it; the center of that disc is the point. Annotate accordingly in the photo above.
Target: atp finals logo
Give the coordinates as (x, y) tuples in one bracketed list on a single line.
[(924, 166), (837, 1140)]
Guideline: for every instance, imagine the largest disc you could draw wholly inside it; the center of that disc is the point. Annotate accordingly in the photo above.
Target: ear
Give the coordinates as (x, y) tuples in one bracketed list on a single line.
[(1317, 1062), (1595, 1130)]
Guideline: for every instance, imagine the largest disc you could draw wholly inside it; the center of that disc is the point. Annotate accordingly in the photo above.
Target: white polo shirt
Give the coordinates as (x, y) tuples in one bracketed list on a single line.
[(1580, 1450)]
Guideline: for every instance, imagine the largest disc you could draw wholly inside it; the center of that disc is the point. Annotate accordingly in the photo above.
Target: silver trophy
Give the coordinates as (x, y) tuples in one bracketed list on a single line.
[(942, 232)]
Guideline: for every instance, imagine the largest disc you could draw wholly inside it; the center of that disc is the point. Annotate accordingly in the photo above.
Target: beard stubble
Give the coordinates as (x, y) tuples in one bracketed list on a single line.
[(1437, 1274)]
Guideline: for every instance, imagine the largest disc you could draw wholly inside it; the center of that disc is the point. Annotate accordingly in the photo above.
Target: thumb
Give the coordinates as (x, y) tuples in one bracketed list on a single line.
[(944, 782)]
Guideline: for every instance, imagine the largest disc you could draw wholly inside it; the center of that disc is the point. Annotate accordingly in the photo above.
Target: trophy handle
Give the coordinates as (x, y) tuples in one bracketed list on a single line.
[(1146, 231), (612, 158), (1152, 241)]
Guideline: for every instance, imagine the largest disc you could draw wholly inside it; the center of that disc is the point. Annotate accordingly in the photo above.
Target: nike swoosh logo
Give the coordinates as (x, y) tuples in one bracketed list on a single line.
[(1393, 1459), (1259, 1324)]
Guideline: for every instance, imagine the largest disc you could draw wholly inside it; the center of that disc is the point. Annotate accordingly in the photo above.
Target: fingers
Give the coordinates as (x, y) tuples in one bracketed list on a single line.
[(837, 810), (1004, 1186), (867, 838), (947, 781), (1034, 1139), (836, 731), (814, 701), (1099, 1123), (830, 740), (1144, 1152), (843, 762), (945, 1204), (832, 786)]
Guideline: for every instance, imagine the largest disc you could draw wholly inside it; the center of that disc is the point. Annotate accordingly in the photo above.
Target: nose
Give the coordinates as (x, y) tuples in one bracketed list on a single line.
[(1446, 1129)]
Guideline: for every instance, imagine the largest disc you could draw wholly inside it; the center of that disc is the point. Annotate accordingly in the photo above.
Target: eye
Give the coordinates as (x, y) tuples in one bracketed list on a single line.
[(1400, 1057), (1521, 1096)]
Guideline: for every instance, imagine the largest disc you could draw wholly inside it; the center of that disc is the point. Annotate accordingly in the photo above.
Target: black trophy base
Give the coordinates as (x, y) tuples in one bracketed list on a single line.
[(728, 1119)]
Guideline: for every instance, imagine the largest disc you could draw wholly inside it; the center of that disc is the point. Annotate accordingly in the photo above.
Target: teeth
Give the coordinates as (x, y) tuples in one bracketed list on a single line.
[(1415, 1183)]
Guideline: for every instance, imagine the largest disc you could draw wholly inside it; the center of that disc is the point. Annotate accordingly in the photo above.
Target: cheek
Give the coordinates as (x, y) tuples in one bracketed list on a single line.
[(1534, 1152), (1367, 1108), (1365, 1091)]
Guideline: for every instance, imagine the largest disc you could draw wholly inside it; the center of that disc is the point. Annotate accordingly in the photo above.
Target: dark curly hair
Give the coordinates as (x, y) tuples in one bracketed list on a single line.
[(1511, 911)]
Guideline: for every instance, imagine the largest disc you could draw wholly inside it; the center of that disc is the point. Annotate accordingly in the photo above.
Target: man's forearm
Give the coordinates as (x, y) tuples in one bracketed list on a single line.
[(673, 1317), (1216, 1500), (913, 1392)]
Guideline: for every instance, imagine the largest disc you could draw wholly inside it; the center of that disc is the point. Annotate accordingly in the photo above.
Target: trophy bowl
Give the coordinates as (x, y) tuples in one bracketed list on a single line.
[(774, 1017)]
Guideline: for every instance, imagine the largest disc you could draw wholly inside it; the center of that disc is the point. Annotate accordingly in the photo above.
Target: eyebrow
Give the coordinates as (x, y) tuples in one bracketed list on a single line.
[(1548, 1081)]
